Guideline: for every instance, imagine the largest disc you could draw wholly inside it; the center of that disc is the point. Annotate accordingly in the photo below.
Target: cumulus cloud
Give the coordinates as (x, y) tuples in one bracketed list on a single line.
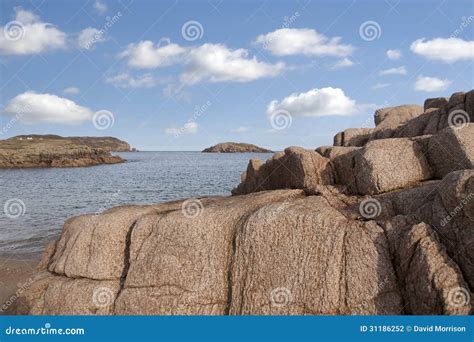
[(343, 63), (100, 7), (393, 71), (126, 80), (448, 50), (71, 90), (207, 62), (217, 63), (28, 35), (431, 84), (315, 103), (32, 107), (89, 37), (394, 54), (190, 127), (292, 41), (147, 55)]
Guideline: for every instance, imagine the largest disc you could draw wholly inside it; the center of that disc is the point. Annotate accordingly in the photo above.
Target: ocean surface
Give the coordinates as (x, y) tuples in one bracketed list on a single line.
[(36, 202)]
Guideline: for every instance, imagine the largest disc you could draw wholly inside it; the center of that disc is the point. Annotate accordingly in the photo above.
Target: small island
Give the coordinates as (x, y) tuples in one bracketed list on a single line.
[(32, 151), (233, 147)]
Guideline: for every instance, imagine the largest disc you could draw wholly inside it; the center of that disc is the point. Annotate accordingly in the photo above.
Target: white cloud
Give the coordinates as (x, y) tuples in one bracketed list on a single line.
[(207, 62), (394, 54), (46, 108), (292, 41), (89, 37), (316, 102), (216, 63), (431, 84), (241, 129), (71, 90), (393, 71), (380, 86), (30, 36), (190, 127), (100, 7), (448, 50), (147, 55), (343, 63), (126, 80)]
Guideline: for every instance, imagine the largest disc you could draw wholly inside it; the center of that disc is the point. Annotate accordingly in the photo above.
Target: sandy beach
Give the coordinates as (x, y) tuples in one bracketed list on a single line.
[(14, 275)]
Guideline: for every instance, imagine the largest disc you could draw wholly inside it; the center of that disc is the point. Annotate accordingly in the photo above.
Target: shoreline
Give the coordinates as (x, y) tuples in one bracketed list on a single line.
[(14, 276)]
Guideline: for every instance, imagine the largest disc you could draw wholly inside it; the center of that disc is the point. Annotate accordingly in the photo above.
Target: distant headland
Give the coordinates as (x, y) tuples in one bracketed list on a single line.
[(30, 151)]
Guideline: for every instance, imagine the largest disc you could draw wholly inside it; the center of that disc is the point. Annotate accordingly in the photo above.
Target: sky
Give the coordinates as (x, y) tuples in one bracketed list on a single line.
[(184, 75)]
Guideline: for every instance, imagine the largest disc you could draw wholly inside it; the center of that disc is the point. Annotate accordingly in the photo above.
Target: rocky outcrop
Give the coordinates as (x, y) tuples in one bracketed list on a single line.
[(232, 147), (382, 228), (40, 151), (410, 121), (107, 144), (295, 168)]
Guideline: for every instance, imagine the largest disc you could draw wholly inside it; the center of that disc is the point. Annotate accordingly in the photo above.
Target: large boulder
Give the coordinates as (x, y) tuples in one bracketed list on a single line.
[(452, 149), (296, 168), (429, 280), (453, 218), (392, 117), (437, 102), (382, 165), (353, 137)]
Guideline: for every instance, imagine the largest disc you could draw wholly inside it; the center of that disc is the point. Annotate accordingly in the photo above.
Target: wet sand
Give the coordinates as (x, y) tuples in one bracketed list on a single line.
[(14, 276)]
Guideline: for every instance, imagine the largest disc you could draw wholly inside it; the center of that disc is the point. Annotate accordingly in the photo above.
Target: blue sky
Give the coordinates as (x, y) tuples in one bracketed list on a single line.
[(273, 73)]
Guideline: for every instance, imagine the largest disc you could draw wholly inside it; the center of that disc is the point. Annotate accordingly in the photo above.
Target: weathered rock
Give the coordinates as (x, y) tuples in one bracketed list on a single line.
[(332, 152), (429, 280), (322, 263), (296, 168), (353, 137), (436, 102), (370, 170), (453, 219), (392, 117), (452, 149)]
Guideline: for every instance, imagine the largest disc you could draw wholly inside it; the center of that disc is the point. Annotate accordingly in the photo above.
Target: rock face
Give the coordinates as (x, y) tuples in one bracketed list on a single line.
[(54, 151), (295, 168), (381, 228), (232, 147)]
